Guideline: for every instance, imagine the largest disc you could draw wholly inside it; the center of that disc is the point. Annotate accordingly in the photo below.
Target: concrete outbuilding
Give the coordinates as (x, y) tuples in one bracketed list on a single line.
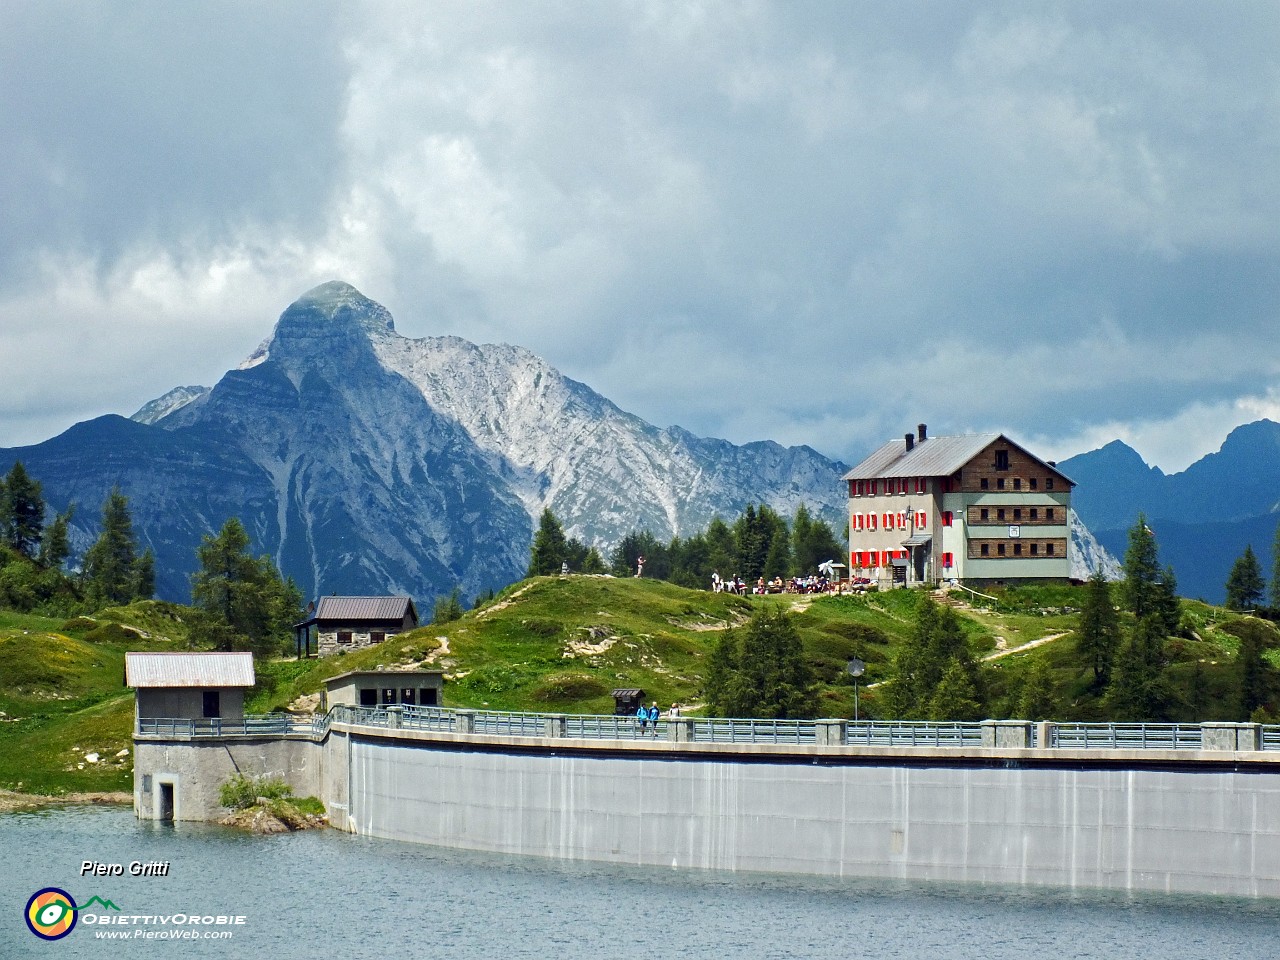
[(189, 686), (375, 688)]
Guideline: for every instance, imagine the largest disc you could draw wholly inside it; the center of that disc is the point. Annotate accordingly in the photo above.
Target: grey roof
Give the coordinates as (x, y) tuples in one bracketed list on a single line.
[(363, 608), (188, 670), (933, 457), (389, 674)]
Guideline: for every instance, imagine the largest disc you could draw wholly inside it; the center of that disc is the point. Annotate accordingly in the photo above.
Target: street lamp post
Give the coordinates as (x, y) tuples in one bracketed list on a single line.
[(856, 669)]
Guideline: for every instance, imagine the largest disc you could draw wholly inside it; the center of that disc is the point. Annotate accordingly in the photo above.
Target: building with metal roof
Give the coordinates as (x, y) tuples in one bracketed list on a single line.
[(972, 508), (188, 686), (338, 624)]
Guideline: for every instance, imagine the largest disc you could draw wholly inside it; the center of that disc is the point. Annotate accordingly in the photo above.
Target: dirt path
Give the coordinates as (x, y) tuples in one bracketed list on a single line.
[(1025, 647), (999, 653), (502, 605)]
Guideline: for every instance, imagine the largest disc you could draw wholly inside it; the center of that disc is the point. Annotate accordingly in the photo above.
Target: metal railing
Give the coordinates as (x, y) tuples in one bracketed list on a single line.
[(610, 727), (754, 731), (877, 733), (1127, 736), (887, 733), (1271, 737), (267, 725)]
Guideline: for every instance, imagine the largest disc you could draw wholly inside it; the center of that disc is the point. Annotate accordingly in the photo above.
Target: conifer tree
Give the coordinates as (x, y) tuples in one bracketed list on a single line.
[(550, 549), (593, 562), (55, 547), (21, 512), (1139, 689), (1036, 700), (772, 668), (244, 602), (1245, 585), (109, 565), (722, 689), (144, 576), (955, 698), (1141, 570), (448, 608), (1275, 569), (1255, 674), (1098, 634)]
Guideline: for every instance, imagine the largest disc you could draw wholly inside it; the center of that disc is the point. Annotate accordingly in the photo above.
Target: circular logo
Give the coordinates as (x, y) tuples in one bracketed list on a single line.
[(51, 913)]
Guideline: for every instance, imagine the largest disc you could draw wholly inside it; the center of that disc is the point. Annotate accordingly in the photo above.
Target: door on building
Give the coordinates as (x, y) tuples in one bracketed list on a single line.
[(166, 802)]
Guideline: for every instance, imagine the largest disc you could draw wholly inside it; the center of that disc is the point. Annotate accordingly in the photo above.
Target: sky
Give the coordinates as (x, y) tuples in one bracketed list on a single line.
[(818, 223)]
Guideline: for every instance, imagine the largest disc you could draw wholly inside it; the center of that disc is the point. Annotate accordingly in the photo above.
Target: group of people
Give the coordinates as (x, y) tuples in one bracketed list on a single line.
[(648, 717), (734, 584)]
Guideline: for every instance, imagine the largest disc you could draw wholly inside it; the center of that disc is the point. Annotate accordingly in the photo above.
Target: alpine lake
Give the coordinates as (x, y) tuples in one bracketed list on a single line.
[(322, 893)]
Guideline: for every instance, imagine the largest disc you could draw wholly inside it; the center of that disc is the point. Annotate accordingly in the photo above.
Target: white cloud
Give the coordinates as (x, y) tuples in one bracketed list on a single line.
[(800, 222)]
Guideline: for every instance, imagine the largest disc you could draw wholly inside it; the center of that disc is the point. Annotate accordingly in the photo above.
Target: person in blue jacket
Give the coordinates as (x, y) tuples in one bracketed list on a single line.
[(654, 713), (642, 716)]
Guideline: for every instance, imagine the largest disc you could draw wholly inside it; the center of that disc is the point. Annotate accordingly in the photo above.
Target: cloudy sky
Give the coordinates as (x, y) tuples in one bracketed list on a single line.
[(818, 223)]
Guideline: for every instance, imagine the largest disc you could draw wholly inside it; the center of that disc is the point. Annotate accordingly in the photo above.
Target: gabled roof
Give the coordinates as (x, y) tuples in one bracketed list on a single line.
[(933, 457), (363, 608), (188, 670)]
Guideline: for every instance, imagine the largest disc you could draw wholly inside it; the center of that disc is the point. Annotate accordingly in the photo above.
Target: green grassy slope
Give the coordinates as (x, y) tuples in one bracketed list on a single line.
[(555, 644), (62, 696)]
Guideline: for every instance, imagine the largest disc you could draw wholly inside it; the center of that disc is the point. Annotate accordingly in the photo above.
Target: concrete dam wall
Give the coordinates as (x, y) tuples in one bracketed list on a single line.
[(1175, 820)]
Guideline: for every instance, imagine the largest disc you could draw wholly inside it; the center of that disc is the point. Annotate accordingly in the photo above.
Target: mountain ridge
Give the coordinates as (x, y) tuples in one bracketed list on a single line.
[(367, 462)]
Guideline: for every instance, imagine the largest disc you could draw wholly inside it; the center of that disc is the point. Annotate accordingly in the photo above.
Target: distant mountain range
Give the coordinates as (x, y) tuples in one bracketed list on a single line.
[(1203, 517), (367, 462)]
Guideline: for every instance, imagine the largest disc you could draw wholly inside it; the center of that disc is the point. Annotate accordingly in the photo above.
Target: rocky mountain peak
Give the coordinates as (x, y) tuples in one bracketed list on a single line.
[(333, 308)]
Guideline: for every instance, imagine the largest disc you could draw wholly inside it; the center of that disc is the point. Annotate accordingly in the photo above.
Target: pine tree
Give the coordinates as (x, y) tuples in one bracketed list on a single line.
[(1139, 689), (1256, 675), (937, 645), (56, 545), (813, 543), (955, 698), (773, 668), (550, 549), (722, 672), (244, 602), (721, 550), (593, 562), (1036, 701), (144, 576), (1275, 569), (21, 512), (1141, 570), (1098, 634), (1245, 585), (109, 564), (448, 608), (1168, 606)]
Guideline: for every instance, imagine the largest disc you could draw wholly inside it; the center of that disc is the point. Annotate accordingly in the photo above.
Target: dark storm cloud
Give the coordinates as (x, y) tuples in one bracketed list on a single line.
[(162, 122), (814, 222)]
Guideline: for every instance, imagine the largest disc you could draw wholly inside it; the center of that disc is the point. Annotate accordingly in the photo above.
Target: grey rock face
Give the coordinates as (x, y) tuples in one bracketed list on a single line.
[(363, 461)]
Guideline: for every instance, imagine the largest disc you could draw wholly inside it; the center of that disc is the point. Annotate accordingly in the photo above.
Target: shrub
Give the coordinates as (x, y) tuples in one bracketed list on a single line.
[(240, 791)]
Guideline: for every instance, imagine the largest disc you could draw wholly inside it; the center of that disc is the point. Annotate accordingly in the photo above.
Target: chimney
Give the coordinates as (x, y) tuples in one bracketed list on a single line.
[(921, 428), (911, 442)]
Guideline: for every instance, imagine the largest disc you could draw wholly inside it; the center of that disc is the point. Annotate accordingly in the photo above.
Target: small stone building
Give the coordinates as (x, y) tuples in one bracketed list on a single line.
[(380, 688), (189, 686), (339, 624)]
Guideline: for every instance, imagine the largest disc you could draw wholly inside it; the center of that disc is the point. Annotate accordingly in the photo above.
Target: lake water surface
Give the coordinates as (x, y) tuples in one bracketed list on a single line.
[(328, 894)]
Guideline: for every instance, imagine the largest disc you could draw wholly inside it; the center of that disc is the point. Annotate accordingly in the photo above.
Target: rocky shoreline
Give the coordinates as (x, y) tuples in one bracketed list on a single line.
[(14, 802)]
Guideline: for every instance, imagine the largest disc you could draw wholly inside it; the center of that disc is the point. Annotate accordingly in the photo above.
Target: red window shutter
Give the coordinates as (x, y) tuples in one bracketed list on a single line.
[(946, 518), (922, 520)]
